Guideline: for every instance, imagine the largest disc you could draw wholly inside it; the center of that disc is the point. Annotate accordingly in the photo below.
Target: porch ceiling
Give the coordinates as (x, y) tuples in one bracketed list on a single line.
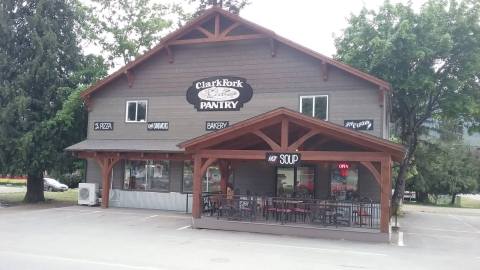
[(264, 132)]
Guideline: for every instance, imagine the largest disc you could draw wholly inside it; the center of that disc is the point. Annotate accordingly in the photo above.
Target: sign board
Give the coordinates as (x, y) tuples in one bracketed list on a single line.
[(359, 124), (220, 93), (101, 126), (157, 126), (215, 125), (283, 159)]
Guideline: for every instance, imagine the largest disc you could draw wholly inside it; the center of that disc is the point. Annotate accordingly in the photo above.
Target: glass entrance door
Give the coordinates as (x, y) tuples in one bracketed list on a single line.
[(285, 182), (296, 182)]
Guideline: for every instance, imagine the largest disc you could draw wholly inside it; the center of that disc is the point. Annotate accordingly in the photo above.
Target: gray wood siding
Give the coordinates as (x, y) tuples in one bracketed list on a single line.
[(276, 81), (94, 174)]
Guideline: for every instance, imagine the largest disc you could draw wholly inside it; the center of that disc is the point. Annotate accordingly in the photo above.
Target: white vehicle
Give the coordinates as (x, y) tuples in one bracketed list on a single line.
[(50, 184)]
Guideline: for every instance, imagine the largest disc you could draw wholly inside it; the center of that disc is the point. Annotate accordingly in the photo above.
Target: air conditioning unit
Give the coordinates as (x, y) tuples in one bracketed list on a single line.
[(87, 194)]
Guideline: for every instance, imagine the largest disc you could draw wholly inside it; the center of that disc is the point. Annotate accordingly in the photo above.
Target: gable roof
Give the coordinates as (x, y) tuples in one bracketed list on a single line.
[(173, 37), (377, 144)]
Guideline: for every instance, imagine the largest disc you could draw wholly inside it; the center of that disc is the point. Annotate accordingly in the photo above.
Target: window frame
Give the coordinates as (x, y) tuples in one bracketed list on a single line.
[(147, 180), (136, 110), (313, 105)]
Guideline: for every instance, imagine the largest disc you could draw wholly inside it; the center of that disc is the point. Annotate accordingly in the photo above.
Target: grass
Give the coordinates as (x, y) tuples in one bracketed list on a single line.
[(445, 202), (13, 182), (68, 197), (469, 203)]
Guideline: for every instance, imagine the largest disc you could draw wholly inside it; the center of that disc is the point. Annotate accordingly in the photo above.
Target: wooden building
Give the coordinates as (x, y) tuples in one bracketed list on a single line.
[(223, 105)]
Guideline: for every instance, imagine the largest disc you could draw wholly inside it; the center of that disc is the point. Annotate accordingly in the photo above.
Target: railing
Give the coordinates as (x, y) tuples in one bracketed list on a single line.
[(364, 214)]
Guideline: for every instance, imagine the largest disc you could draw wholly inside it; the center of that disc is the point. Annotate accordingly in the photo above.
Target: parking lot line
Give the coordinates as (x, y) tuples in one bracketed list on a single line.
[(400, 239), (75, 260), (184, 227), (149, 217)]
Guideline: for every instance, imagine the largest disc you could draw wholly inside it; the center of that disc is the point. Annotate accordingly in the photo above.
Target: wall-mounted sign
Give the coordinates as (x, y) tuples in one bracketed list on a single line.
[(215, 125), (103, 126), (359, 124), (283, 159), (157, 126), (221, 93)]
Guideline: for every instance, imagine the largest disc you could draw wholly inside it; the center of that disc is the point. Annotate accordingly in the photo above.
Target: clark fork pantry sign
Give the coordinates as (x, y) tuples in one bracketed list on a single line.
[(221, 93)]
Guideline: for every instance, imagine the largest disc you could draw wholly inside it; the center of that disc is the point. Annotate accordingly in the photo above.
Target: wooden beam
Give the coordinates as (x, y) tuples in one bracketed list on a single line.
[(233, 135), (207, 164), (373, 170), (197, 187), (229, 29), (169, 52), (88, 103), (130, 77), (273, 145), (224, 167), (385, 196), (284, 134), (106, 164), (273, 47), (217, 25), (219, 39), (306, 155), (324, 71), (294, 146), (205, 32), (381, 96)]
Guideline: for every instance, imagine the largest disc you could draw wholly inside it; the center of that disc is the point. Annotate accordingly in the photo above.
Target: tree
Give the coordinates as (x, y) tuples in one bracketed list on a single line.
[(431, 58), (125, 28), (444, 168), (233, 6), (40, 67)]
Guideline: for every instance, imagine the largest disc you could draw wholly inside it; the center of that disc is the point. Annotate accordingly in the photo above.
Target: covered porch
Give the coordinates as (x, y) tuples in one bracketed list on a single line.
[(309, 196)]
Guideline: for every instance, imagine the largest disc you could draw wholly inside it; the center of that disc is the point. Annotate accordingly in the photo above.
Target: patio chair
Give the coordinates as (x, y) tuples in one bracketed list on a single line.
[(268, 208), (301, 210), (363, 214), (318, 214), (246, 207)]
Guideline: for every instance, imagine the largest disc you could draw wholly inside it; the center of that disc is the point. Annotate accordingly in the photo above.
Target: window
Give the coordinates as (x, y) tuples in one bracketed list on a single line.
[(344, 187), (296, 182), (210, 181), (147, 175), (136, 111), (187, 176), (315, 106)]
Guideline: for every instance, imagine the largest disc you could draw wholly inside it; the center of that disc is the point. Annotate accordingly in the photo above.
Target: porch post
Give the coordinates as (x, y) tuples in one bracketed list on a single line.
[(106, 175), (224, 174), (106, 164), (197, 186), (386, 191)]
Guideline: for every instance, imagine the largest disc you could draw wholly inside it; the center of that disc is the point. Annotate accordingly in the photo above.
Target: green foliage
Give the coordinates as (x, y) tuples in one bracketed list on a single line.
[(125, 28), (233, 6), (42, 72), (445, 168), (431, 58), (39, 53)]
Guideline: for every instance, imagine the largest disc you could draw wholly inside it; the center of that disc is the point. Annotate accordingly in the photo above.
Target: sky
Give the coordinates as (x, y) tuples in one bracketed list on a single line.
[(312, 23)]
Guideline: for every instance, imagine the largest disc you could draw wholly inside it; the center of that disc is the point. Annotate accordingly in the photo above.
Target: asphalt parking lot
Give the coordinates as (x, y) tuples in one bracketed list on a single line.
[(94, 238)]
